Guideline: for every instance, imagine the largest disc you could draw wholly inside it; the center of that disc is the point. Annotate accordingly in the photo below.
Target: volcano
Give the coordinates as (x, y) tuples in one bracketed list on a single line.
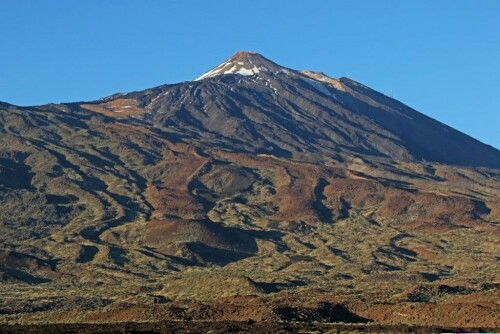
[(254, 191)]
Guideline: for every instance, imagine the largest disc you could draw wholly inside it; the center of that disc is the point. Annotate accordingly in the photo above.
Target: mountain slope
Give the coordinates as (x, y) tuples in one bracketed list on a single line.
[(288, 113), (290, 187)]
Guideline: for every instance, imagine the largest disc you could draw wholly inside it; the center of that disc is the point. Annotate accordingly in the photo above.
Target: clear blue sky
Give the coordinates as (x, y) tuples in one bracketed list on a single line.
[(440, 57)]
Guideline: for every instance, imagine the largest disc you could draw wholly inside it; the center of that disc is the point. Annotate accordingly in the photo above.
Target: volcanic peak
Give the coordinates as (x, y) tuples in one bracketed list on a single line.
[(243, 63)]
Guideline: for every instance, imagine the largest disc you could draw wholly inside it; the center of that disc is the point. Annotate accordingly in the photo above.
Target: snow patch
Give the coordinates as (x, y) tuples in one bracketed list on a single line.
[(213, 72), (246, 71), (231, 70), (318, 85), (229, 67)]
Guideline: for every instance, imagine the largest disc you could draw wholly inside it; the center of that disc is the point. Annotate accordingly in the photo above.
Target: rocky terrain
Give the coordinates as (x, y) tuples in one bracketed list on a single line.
[(255, 192)]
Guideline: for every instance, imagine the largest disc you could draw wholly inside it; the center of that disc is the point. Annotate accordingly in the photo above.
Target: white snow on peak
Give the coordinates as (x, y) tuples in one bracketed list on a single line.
[(246, 71), (213, 72), (247, 64), (230, 67), (231, 70)]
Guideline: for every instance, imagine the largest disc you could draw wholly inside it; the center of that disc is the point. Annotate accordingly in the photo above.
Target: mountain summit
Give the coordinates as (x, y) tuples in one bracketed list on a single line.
[(243, 63)]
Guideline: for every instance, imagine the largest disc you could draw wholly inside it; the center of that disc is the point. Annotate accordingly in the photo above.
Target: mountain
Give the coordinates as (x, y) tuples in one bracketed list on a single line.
[(254, 105), (253, 192)]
